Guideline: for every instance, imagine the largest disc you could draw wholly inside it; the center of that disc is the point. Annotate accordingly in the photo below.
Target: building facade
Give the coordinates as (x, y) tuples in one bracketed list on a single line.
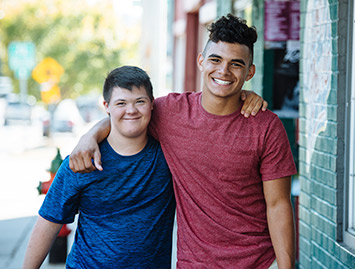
[(326, 137)]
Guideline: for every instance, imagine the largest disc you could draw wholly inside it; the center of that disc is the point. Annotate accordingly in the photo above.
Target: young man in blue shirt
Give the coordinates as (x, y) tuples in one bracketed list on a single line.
[(126, 212)]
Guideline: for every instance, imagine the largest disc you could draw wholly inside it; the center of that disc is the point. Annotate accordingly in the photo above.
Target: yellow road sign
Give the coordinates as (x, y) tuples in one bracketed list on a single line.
[(48, 70), (51, 95)]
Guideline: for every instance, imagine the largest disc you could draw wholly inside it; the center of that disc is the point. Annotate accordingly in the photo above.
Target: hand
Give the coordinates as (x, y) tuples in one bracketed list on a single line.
[(252, 103), (80, 160)]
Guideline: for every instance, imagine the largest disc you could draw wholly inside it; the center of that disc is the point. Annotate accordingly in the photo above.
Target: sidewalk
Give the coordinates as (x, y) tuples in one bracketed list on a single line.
[(15, 234)]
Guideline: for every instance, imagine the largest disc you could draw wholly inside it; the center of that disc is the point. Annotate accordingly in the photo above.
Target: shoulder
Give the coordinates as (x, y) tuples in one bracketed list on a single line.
[(177, 99), (65, 178), (263, 124), (153, 145), (153, 148), (155, 155), (263, 119), (64, 168), (265, 115)]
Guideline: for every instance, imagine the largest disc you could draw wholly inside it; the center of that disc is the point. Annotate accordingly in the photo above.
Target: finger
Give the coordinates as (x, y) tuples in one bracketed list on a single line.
[(71, 163), (243, 95), (74, 164), (247, 112), (265, 105), (253, 108), (86, 162), (256, 107), (97, 160), (245, 106)]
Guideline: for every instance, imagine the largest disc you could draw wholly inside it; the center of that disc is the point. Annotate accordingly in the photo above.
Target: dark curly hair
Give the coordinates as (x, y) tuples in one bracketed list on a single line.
[(232, 29)]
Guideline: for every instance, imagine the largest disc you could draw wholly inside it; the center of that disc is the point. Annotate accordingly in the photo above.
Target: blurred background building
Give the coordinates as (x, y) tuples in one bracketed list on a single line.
[(304, 61)]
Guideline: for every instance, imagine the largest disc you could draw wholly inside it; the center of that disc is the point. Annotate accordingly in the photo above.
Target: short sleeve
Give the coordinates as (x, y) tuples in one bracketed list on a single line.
[(277, 159), (159, 111), (62, 200)]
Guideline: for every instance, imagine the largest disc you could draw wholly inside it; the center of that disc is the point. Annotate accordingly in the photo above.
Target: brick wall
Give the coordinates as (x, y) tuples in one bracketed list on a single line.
[(322, 105)]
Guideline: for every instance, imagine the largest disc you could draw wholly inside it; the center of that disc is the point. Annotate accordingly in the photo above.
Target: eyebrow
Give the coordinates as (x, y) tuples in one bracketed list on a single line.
[(142, 97), (138, 98), (233, 60)]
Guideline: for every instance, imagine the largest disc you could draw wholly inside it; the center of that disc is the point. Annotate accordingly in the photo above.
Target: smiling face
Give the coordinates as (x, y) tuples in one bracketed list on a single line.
[(130, 112), (225, 67)]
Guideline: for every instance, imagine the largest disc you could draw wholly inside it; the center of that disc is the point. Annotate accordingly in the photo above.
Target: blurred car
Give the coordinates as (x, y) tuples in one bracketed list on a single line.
[(17, 112), (46, 126), (3, 104), (66, 117), (91, 107)]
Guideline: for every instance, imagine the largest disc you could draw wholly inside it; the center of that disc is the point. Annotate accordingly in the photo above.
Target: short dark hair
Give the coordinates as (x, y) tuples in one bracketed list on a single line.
[(127, 77), (232, 29)]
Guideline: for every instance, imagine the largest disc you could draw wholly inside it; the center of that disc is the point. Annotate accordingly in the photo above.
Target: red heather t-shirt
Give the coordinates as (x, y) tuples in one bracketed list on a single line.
[(218, 164)]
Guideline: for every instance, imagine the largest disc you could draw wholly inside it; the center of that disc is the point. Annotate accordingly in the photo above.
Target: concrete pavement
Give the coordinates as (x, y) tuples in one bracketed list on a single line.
[(15, 234)]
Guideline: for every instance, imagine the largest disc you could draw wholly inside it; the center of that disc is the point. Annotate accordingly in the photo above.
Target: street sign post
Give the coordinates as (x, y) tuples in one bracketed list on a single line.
[(22, 60)]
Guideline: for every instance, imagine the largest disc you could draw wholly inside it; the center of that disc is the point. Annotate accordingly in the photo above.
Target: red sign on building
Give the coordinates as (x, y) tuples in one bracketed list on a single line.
[(282, 20)]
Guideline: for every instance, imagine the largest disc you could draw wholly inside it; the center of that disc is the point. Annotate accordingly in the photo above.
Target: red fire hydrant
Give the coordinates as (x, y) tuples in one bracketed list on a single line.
[(59, 250), (43, 186)]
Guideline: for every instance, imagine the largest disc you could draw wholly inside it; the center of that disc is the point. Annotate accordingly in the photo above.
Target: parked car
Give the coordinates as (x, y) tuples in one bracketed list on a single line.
[(17, 112), (3, 104), (66, 117)]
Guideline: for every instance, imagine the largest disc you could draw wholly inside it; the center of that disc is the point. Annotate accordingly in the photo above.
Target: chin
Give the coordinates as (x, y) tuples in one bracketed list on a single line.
[(135, 134), (221, 94)]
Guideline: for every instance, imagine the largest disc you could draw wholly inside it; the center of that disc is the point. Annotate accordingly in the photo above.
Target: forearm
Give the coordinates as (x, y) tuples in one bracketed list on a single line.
[(88, 148), (100, 130), (42, 238), (282, 231)]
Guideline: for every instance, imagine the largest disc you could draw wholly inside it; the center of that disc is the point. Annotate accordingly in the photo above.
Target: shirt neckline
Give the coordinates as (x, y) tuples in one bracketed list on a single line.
[(127, 157), (236, 113)]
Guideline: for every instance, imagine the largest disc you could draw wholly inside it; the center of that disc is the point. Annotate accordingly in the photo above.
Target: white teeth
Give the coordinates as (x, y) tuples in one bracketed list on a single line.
[(222, 82)]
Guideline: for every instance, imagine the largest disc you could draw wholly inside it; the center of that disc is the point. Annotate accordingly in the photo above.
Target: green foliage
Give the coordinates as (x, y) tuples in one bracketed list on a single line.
[(78, 36)]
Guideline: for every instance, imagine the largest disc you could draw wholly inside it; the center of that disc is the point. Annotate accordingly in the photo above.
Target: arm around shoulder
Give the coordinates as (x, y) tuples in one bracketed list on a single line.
[(80, 160)]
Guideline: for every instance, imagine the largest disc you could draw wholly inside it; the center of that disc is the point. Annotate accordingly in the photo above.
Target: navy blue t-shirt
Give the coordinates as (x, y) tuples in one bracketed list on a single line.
[(126, 211)]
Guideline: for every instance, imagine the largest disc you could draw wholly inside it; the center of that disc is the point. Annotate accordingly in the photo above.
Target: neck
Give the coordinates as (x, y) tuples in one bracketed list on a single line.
[(127, 146), (220, 105)]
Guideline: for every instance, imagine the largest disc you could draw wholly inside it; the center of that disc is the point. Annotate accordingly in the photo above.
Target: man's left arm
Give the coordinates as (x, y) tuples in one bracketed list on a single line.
[(280, 220), (252, 103)]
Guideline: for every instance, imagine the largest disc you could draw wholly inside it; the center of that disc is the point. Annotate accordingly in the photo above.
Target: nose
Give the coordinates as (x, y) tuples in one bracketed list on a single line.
[(224, 68), (131, 109)]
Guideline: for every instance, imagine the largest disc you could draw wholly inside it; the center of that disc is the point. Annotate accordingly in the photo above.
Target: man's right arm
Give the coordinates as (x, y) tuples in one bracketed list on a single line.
[(42, 238), (80, 160)]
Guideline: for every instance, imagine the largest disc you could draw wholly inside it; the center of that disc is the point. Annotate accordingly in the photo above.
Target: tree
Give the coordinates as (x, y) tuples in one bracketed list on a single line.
[(83, 40)]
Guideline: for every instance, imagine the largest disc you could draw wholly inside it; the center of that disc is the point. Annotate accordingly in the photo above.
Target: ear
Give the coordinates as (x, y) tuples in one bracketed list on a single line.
[(152, 104), (107, 109), (200, 59), (251, 72)]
